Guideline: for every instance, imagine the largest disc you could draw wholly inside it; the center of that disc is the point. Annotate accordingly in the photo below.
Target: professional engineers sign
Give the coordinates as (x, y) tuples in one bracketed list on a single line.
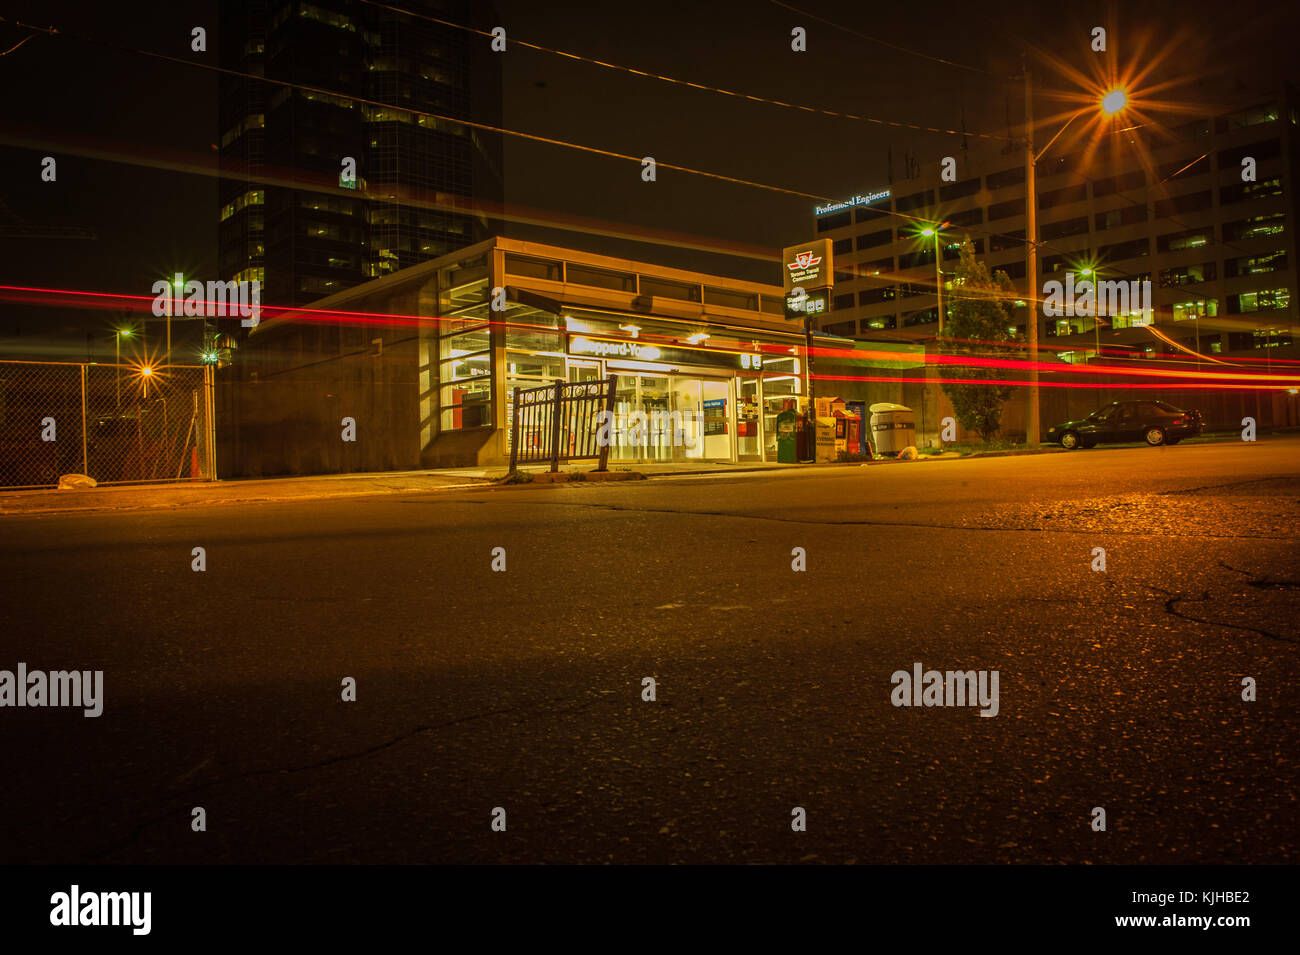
[(866, 200)]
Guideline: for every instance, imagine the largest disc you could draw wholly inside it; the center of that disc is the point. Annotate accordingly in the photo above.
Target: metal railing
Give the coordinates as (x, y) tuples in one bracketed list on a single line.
[(116, 423), (561, 422)]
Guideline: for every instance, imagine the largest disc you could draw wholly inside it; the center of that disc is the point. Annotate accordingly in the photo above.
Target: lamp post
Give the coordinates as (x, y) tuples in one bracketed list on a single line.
[(938, 273), (118, 335), (178, 287), (1111, 103)]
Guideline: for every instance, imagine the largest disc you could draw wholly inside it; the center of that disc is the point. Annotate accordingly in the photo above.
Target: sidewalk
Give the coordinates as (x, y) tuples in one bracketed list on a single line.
[(155, 496), (323, 486)]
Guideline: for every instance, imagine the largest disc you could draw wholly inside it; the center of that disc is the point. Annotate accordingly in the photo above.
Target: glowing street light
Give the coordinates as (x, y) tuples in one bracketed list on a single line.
[(1114, 101)]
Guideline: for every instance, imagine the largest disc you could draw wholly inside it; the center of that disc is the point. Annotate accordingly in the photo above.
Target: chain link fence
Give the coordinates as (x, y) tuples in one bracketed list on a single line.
[(116, 423)]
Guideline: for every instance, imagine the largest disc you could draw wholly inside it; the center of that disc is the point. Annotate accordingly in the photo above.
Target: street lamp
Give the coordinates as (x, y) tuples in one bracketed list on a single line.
[(938, 274), (118, 335), (178, 284), (1111, 103)]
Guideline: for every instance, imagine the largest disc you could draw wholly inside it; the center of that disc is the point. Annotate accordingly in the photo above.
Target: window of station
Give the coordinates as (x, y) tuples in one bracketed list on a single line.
[(728, 298), (666, 288), (534, 268), (599, 278), (464, 353)]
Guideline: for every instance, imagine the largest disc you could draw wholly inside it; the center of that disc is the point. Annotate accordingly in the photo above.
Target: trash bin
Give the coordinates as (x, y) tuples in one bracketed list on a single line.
[(787, 423), (893, 427)]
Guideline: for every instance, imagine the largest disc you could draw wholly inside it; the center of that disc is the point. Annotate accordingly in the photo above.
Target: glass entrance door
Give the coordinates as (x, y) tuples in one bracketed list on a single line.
[(672, 418)]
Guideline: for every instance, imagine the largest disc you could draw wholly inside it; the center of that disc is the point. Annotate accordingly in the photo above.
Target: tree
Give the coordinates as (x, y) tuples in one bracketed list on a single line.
[(979, 317)]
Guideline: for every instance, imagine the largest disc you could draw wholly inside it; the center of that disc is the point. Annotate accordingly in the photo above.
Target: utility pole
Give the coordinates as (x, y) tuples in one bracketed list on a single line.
[(1032, 429)]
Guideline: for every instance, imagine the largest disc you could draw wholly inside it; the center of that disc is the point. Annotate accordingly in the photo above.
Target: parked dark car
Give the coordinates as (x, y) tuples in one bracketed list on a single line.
[(1155, 422)]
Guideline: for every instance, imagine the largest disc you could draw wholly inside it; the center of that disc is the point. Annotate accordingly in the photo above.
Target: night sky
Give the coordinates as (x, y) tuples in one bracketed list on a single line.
[(150, 221)]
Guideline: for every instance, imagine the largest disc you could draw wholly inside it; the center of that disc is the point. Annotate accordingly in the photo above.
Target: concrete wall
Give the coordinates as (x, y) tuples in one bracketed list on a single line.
[(281, 403)]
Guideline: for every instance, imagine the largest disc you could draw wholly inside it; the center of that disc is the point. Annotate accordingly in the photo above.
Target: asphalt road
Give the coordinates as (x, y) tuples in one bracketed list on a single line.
[(522, 689)]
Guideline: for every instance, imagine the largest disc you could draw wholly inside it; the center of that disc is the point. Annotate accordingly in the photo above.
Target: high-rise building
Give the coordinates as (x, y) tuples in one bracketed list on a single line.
[(1168, 206), (328, 178)]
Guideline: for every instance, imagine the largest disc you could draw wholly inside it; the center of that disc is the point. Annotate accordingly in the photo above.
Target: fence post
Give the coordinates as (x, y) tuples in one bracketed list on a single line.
[(85, 459), (210, 414), (609, 419), (555, 425), (514, 433)]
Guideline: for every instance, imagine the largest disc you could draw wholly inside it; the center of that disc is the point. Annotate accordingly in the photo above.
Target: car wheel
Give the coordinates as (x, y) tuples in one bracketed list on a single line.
[(1069, 440), (1155, 436)]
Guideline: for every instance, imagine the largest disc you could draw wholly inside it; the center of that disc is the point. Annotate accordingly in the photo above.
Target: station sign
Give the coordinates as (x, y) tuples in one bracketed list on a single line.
[(615, 349), (807, 266)]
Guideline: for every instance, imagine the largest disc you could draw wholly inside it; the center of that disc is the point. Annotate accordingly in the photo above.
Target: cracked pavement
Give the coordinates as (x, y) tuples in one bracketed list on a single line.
[(522, 689)]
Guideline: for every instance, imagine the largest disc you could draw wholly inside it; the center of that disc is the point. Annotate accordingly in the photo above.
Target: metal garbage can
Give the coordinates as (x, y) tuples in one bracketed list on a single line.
[(893, 427)]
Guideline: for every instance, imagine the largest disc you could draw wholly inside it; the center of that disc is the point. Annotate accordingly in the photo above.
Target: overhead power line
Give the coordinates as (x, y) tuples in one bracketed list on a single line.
[(689, 83), (534, 137), (885, 43)]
